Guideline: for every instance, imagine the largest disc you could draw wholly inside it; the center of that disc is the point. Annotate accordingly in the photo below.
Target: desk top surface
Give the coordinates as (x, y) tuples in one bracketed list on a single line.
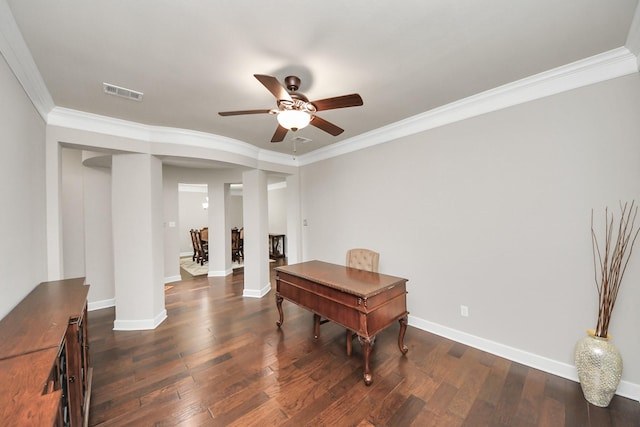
[(361, 283)]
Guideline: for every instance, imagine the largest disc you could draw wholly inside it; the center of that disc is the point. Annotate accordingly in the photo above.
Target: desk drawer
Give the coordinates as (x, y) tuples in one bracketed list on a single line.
[(336, 306), (286, 283)]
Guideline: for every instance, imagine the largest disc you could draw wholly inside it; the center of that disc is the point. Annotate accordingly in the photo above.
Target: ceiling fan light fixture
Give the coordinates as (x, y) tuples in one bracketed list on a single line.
[(294, 110), (293, 119)]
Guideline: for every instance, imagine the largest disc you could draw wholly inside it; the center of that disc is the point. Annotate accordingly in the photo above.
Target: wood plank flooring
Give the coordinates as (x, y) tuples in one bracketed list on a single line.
[(220, 360)]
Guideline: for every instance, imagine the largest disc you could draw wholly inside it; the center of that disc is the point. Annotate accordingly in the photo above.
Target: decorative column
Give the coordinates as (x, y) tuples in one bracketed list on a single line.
[(255, 213), (138, 257), (219, 230)]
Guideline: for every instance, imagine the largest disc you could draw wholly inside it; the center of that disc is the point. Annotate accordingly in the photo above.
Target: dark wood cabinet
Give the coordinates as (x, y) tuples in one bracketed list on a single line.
[(44, 357), (78, 381)]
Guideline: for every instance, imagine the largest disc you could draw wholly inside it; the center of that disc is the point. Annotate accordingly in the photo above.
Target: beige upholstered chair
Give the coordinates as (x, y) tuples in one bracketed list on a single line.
[(363, 259)]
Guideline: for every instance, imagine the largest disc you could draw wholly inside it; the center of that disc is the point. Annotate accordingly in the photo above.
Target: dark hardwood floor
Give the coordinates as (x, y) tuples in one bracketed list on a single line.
[(220, 360)]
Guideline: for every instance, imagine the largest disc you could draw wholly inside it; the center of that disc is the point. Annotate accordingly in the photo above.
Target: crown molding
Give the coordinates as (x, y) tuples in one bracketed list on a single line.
[(633, 37), (605, 66), (80, 120), (74, 119), (17, 54), (278, 158), (608, 65)]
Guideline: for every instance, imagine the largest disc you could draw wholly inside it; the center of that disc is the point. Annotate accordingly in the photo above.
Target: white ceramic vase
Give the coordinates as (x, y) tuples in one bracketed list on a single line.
[(599, 366)]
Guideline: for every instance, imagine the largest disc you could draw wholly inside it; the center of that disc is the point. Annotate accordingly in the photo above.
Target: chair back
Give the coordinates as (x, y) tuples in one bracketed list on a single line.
[(363, 259), (236, 245), (200, 249), (194, 241), (196, 234)]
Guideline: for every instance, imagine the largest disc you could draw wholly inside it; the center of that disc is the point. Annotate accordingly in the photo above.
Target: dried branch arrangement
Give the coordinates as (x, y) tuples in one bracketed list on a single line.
[(610, 261)]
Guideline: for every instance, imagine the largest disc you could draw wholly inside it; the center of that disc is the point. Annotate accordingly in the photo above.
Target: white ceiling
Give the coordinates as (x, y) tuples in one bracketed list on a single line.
[(194, 58)]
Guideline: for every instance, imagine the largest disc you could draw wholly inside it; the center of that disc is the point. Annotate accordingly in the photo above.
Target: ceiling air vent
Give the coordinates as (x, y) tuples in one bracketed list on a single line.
[(122, 92), (301, 139)]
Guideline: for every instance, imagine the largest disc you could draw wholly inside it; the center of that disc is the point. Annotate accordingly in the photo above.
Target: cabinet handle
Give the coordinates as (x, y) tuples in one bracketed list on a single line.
[(72, 379)]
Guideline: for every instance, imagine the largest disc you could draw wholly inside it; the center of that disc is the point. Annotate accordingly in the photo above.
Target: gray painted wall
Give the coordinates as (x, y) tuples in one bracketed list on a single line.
[(494, 213), (23, 255)]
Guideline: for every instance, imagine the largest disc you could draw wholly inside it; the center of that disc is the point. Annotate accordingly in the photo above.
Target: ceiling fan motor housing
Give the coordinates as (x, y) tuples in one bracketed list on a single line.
[(292, 83)]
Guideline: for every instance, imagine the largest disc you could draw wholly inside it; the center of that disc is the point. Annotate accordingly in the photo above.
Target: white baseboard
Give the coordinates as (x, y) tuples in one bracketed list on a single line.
[(141, 324), (97, 305), (172, 279), (219, 273), (251, 293), (564, 370)]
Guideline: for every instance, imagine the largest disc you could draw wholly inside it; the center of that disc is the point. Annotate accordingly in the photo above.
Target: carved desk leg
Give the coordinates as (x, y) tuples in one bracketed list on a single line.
[(279, 305), (367, 348), (316, 325), (403, 329)]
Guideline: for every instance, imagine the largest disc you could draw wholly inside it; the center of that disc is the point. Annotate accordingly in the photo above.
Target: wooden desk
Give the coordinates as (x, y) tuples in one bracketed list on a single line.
[(361, 301)]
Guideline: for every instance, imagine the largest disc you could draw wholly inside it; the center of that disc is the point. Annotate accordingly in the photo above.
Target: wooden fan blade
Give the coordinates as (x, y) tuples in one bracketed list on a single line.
[(353, 100), (273, 85), (279, 135), (326, 126), (238, 113)]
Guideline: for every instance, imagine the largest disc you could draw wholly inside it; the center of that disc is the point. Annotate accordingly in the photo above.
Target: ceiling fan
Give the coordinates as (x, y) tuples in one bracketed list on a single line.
[(294, 111)]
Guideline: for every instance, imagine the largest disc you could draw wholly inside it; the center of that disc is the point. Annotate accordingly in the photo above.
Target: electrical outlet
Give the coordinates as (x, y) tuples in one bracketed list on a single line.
[(464, 311)]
